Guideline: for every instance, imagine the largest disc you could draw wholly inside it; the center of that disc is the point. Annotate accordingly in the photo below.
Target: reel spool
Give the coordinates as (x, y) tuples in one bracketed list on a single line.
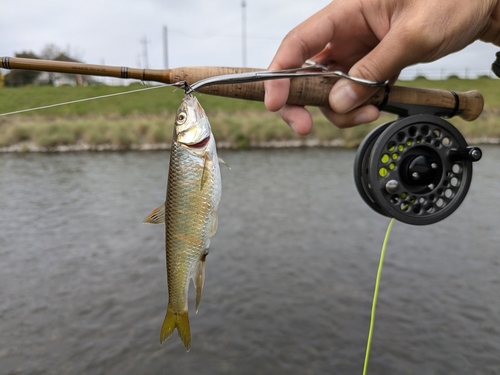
[(417, 169)]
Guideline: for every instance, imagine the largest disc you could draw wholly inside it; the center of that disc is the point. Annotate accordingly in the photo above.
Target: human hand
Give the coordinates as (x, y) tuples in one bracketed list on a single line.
[(375, 40)]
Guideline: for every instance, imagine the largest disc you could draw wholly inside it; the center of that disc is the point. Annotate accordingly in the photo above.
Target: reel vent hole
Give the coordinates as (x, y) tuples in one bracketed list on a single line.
[(440, 203), (454, 182), (448, 193), (456, 168), (401, 136), (446, 142), (424, 130), (412, 131), (437, 133)]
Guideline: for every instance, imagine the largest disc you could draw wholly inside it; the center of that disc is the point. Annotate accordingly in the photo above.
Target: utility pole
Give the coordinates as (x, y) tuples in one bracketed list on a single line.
[(165, 47), (244, 32), (144, 42)]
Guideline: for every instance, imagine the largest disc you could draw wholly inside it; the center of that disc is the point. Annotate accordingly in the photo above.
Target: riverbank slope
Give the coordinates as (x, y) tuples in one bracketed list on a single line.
[(144, 120)]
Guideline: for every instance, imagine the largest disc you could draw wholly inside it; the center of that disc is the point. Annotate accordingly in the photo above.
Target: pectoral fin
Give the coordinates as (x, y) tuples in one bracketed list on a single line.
[(199, 278), (205, 174), (157, 216), (223, 162)]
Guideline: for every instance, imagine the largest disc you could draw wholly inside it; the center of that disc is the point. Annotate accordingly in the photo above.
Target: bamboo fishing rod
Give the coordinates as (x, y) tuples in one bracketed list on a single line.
[(307, 91)]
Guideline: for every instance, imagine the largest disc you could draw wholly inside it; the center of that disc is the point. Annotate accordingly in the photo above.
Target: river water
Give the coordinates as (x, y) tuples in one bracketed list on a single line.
[(289, 279)]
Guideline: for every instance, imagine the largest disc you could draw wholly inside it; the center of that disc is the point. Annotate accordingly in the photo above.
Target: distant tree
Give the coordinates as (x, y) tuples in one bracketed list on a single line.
[(19, 77), (50, 52), (53, 52)]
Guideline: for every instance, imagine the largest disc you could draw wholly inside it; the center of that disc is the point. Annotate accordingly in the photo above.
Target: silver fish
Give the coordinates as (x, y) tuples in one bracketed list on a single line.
[(189, 213)]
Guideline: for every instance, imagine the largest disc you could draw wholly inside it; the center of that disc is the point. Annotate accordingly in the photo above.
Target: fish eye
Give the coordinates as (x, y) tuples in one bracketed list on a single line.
[(181, 118)]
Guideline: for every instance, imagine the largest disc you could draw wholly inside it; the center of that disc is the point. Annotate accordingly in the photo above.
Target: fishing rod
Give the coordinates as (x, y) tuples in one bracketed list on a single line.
[(416, 169), (304, 90)]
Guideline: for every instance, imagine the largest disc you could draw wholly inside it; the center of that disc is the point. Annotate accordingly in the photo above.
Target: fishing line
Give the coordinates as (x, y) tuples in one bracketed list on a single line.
[(375, 295), (85, 100)]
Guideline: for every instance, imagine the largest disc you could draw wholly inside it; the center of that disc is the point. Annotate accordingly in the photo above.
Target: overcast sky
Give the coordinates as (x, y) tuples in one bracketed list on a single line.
[(199, 32)]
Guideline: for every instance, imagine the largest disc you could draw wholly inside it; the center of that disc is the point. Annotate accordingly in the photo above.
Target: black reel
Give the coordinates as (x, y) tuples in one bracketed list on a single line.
[(416, 169)]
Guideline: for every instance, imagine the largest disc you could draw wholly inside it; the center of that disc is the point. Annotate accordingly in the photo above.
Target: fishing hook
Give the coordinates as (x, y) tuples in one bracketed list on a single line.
[(185, 85)]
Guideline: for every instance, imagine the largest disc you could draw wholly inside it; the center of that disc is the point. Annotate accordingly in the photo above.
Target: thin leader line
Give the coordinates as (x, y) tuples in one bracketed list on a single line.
[(84, 100)]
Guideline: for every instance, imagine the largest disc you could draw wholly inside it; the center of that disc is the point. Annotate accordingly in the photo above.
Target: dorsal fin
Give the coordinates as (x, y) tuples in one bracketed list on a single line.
[(157, 216)]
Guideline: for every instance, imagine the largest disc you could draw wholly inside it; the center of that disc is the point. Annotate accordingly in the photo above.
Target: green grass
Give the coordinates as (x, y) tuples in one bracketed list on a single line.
[(156, 101), (147, 116)]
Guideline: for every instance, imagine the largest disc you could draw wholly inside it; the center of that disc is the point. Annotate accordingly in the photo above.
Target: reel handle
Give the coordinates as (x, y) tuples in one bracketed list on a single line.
[(308, 91)]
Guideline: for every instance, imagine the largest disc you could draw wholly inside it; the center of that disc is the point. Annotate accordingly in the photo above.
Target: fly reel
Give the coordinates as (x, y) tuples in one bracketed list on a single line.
[(416, 169)]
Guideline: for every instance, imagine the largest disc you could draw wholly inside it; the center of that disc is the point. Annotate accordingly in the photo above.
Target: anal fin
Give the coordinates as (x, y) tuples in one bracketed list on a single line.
[(199, 277)]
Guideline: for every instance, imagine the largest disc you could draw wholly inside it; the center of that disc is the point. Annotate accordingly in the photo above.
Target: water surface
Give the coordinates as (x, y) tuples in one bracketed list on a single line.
[(289, 277)]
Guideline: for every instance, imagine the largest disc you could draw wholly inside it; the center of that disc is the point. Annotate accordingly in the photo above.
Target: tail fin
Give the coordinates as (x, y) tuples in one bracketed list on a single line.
[(181, 322)]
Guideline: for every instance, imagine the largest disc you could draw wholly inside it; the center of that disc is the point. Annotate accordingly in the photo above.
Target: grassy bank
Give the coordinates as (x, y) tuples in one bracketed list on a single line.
[(146, 117)]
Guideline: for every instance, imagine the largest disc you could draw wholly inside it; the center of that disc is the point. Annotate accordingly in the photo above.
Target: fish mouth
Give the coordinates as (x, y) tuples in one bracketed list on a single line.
[(200, 144)]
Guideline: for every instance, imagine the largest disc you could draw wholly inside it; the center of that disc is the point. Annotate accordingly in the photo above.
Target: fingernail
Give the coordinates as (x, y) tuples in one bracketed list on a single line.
[(362, 118), (292, 125), (343, 99)]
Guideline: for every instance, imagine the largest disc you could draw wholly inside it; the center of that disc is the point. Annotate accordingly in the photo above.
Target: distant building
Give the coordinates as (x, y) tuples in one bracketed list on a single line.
[(61, 79)]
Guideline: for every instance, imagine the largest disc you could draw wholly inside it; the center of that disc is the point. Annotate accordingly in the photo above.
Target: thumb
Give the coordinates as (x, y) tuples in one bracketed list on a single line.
[(384, 62)]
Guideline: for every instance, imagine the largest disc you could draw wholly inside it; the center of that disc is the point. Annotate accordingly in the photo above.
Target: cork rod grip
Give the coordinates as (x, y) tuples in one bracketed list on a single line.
[(311, 91)]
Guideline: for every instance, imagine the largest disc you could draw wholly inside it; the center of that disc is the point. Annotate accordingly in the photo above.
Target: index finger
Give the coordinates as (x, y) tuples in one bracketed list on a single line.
[(303, 42)]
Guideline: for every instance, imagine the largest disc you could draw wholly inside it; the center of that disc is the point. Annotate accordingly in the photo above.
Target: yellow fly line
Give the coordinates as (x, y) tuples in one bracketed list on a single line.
[(375, 296)]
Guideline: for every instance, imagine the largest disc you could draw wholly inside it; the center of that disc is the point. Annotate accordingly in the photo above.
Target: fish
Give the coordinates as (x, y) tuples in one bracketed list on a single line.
[(190, 212)]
